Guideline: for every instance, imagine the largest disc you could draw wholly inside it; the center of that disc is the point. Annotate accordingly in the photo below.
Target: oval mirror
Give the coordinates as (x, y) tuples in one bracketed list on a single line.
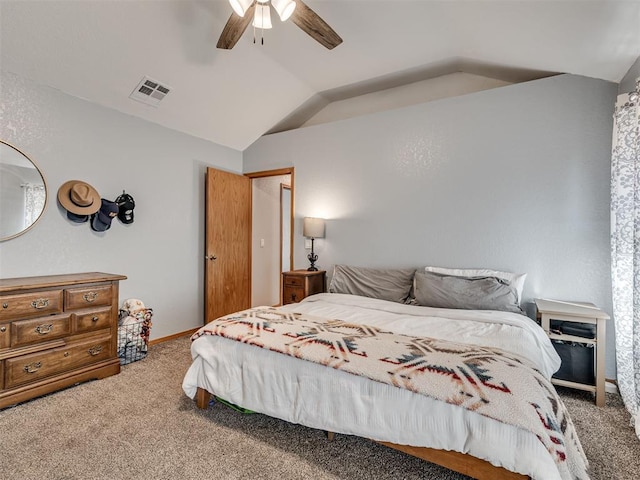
[(23, 192)]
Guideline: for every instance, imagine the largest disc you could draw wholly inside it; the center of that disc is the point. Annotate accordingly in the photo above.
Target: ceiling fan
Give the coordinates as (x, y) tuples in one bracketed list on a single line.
[(260, 12)]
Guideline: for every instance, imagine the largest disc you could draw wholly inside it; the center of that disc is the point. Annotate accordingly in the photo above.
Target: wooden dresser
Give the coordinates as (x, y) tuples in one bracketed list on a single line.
[(56, 331), (298, 284)]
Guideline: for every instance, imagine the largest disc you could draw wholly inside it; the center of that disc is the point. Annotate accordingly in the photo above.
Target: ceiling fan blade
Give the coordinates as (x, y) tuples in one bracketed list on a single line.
[(313, 25), (235, 27)]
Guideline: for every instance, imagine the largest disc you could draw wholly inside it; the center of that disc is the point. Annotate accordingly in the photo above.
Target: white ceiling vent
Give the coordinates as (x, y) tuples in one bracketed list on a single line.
[(150, 92)]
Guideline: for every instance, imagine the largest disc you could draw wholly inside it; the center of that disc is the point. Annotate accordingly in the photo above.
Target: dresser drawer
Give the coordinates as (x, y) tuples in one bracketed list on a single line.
[(293, 281), (76, 298), (42, 329), (29, 368), (5, 335), (292, 295), (91, 320), (33, 304)]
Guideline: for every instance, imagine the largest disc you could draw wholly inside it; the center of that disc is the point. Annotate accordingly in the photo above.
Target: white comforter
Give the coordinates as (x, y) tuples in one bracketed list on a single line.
[(319, 397)]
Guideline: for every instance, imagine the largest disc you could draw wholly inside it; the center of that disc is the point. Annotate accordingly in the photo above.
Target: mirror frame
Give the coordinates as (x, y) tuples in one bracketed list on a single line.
[(46, 192)]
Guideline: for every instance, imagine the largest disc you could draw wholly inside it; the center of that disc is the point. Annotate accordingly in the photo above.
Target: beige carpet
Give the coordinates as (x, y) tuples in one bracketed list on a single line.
[(139, 424)]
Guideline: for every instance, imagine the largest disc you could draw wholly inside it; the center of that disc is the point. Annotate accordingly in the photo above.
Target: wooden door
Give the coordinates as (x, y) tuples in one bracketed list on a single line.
[(228, 244)]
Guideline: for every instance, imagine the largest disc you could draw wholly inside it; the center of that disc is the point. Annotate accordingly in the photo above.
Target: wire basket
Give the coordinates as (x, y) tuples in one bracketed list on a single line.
[(133, 336)]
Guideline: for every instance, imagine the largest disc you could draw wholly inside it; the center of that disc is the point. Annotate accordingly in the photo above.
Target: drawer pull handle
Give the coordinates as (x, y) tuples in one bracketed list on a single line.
[(44, 328), (95, 318), (3, 329), (39, 303), (66, 354), (90, 297), (95, 350), (32, 367), (5, 305)]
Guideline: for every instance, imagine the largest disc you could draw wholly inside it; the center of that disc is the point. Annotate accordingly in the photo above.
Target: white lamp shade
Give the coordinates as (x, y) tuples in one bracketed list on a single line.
[(313, 227), (240, 6), (284, 8), (262, 18)]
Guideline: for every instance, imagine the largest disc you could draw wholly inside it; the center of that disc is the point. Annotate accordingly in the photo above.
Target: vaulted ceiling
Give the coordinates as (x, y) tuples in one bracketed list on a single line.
[(99, 50)]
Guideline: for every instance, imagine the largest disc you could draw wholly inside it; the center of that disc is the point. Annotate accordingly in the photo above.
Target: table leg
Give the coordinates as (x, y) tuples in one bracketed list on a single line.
[(600, 362)]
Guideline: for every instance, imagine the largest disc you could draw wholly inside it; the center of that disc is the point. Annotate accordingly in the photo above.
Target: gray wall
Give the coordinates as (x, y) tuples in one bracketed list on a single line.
[(628, 83), (162, 251), (515, 178)]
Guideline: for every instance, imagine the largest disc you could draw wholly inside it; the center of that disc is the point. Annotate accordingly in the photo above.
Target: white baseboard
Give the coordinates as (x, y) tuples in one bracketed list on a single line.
[(610, 387)]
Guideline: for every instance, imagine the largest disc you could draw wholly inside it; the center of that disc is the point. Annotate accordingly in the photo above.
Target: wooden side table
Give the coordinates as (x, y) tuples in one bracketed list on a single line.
[(579, 312), (298, 284)]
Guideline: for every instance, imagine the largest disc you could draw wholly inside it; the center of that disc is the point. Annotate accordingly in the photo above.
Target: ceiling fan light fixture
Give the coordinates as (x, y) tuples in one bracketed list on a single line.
[(258, 12), (262, 17), (284, 8), (240, 6)]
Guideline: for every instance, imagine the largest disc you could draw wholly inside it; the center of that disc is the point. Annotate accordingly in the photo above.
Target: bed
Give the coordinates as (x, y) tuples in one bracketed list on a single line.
[(456, 430)]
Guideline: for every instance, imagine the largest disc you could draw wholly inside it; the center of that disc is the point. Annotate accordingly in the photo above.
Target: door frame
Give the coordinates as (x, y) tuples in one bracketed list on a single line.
[(276, 173), (284, 187)]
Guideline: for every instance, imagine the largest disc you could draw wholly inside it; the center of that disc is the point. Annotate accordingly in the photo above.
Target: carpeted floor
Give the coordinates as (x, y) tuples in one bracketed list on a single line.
[(139, 424)]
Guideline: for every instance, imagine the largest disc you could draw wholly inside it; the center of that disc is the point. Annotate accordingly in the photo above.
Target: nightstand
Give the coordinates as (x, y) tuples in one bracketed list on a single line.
[(578, 312), (298, 284)]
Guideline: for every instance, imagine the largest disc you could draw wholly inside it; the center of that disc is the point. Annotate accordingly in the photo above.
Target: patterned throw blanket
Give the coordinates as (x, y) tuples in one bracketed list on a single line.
[(488, 381)]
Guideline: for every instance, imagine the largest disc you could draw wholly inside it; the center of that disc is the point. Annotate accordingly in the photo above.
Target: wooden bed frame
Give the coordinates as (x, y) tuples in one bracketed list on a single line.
[(458, 462)]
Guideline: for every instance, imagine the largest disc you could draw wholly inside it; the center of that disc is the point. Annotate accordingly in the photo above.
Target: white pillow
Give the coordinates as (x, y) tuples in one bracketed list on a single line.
[(514, 279)]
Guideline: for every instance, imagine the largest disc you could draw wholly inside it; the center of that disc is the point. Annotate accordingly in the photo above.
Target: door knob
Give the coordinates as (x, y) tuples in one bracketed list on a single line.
[(211, 257)]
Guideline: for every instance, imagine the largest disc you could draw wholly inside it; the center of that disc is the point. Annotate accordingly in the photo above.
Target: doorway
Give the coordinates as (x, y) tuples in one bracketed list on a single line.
[(272, 233)]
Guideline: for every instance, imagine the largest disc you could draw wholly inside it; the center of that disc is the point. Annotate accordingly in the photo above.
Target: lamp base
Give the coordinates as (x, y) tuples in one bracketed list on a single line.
[(313, 258)]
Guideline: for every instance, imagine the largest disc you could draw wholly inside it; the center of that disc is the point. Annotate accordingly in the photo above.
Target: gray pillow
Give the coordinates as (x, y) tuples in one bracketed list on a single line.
[(393, 284), (468, 293)]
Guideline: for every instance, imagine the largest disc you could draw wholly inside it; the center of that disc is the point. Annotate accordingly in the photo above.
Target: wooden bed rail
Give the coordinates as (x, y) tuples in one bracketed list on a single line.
[(456, 461), (459, 462)]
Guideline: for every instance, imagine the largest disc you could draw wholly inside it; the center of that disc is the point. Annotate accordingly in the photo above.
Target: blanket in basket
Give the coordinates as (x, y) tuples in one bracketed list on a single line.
[(488, 381)]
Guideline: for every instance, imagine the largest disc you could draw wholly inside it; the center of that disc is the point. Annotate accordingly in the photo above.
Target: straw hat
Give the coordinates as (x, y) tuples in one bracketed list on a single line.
[(79, 197)]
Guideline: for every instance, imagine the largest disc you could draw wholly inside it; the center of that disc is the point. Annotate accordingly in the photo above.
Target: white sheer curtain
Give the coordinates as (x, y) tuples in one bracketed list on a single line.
[(34, 198), (625, 248)]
